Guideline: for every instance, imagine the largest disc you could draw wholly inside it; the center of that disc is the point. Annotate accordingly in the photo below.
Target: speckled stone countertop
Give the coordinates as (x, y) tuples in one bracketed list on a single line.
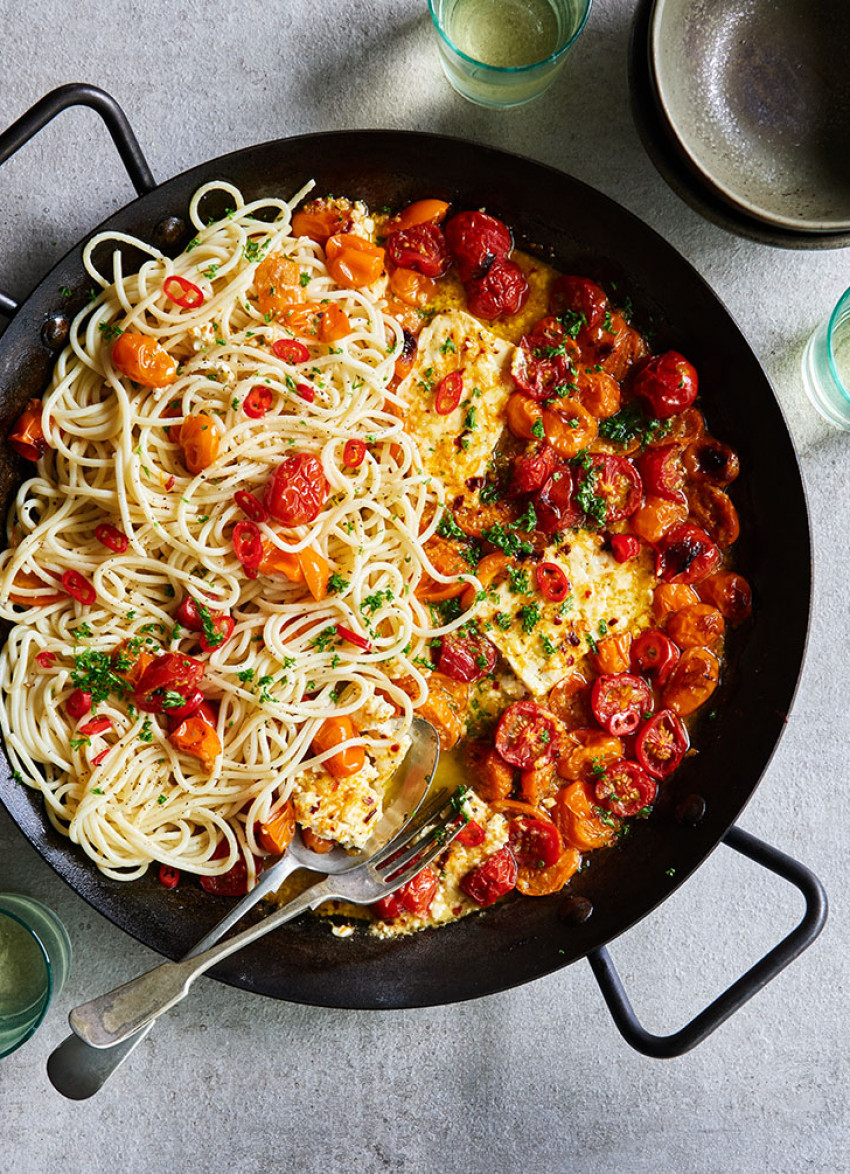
[(535, 1078)]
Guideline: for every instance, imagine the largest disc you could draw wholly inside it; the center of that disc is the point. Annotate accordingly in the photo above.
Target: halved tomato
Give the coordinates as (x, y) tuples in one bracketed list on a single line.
[(661, 744), (619, 702), (526, 735)]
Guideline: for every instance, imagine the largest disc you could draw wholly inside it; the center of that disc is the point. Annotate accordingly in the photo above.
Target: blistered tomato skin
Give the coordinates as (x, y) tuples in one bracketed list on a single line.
[(502, 291), (466, 658), (492, 879), (475, 241), (686, 554), (579, 295), (625, 789), (667, 384), (619, 701), (422, 248), (297, 490), (526, 735)]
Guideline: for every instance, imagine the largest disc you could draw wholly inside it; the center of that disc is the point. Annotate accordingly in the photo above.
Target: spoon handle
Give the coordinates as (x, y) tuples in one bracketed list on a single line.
[(78, 1071)]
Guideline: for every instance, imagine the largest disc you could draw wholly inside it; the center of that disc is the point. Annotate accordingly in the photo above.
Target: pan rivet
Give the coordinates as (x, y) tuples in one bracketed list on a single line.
[(691, 810), (54, 332), (576, 910), (169, 232)]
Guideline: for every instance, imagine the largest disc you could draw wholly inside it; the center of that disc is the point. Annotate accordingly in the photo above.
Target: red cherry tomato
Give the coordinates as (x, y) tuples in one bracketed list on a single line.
[(654, 655), (78, 704), (686, 554), (448, 393), (233, 883), (552, 583), (27, 436), (183, 293), (535, 843), (170, 877), (422, 248), (251, 506), (173, 672), (543, 360), (416, 897), (502, 291), (617, 482), (555, 504), (79, 588), (223, 627), (579, 295), (176, 713), (471, 836), (707, 459), (533, 468), (526, 735), (111, 537), (625, 789), (620, 701), (466, 658), (258, 401), (290, 350), (297, 490), (662, 472), (353, 453), (667, 384), (475, 241), (661, 744), (248, 544), (188, 614), (492, 879), (624, 547)]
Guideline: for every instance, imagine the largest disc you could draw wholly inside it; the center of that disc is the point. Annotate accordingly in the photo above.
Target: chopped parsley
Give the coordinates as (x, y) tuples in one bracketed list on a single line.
[(503, 540), (94, 672), (448, 527), (632, 422), (109, 331), (530, 616), (538, 430), (146, 732), (518, 579), (528, 521), (338, 584), (448, 346)]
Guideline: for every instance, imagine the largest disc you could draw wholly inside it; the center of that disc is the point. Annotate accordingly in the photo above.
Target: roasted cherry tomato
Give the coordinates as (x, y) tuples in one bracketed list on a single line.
[(27, 436), (551, 581), (472, 835), (526, 735), (172, 673), (475, 241), (222, 629), (620, 702), (143, 360), (535, 843), (666, 384), (533, 468), (78, 703), (332, 732), (296, 491), (707, 459), (697, 626), (111, 537), (730, 593), (197, 735), (419, 212), (421, 247), (686, 555), (624, 547), (492, 879), (502, 291), (258, 401), (586, 751), (714, 511), (661, 744), (169, 877), (416, 896), (625, 789), (579, 819), (654, 655), (234, 882), (448, 393), (569, 700), (200, 440), (613, 482), (569, 426), (274, 835), (466, 658), (543, 361), (491, 776), (578, 295), (353, 261), (656, 517), (555, 504), (662, 472), (692, 681), (322, 218)]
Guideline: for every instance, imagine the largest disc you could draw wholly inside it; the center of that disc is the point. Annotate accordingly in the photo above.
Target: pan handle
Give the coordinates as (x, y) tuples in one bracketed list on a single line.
[(664, 1047), (46, 109)]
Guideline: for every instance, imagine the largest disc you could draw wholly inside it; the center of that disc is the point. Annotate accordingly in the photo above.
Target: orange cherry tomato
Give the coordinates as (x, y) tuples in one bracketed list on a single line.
[(492, 569), (523, 415), (599, 392), (730, 593), (491, 777), (447, 560), (27, 436), (699, 625), (420, 212), (655, 517), (535, 784), (353, 261), (200, 440), (29, 581), (142, 359), (612, 653), (316, 571), (276, 561), (540, 882), (275, 833), (671, 597), (586, 752), (569, 700), (444, 707), (129, 663), (569, 427), (412, 288), (576, 815), (316, 843), (277, 282), (692, 681), (714, 511), (332, 732), (707, 459), (325, 322), (198, 737), (320, 219)]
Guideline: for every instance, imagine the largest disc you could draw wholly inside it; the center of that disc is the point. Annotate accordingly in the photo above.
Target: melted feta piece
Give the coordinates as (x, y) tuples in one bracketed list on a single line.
[(458, 446)]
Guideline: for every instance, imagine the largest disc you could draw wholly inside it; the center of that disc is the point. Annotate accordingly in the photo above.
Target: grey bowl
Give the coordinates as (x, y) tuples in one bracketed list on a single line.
[(757, 94)]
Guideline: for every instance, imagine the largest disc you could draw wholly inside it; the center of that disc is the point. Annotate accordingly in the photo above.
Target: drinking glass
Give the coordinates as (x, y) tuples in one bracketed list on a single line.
[(35, 953), (503, 53), (826, 366)]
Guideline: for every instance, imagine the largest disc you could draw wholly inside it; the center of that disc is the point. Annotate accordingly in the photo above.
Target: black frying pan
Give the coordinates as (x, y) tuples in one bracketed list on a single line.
[(557, 217)]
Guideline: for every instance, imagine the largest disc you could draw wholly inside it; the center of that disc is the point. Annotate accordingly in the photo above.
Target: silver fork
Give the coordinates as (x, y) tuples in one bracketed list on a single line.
[(78, 1071), (113, 1017)]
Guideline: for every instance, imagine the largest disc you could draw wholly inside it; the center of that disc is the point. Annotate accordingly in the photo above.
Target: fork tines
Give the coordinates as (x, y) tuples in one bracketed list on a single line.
[(432, 830)]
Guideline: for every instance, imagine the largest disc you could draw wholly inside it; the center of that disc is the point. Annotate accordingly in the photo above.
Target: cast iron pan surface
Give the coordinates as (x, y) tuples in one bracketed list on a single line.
[(584, 232)]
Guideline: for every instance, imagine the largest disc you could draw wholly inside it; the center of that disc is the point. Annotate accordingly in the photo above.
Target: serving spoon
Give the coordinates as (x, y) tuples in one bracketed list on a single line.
[(77, 1070)]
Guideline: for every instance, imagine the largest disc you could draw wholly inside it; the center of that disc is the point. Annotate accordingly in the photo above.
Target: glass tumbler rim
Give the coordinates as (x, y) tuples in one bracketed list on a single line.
[(48, 994), (509, 69), (841, 306)]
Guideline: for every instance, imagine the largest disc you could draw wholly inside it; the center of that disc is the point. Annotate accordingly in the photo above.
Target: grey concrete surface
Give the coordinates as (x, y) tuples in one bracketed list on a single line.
[(536, 1078)]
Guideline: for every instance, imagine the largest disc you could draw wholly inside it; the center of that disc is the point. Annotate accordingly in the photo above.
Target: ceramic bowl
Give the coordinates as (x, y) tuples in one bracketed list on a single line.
[(757, 95)]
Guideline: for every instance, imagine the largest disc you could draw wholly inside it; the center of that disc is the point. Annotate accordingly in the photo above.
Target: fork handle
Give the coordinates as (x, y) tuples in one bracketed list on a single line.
[(113, 1017)]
